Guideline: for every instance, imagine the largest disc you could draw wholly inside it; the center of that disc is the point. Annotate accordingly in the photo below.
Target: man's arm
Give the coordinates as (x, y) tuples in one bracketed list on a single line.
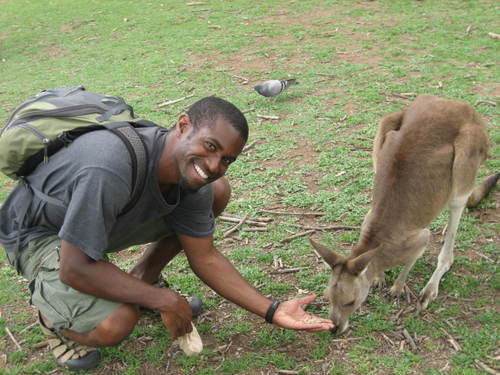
[(105, 280), (218, 273)]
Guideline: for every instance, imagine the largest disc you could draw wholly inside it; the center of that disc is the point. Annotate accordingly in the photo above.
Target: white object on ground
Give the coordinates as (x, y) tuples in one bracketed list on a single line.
[(191, 342)]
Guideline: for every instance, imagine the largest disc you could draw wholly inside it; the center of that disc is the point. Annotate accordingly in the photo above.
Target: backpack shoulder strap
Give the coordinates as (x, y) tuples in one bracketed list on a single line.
[(140, 160)]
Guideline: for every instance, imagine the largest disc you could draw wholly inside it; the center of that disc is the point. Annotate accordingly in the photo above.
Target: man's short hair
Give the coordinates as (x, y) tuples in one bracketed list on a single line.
[(211, 108)]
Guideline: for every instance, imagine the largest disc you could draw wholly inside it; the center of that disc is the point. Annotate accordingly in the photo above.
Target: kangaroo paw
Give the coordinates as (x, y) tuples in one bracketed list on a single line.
[(427, 295)]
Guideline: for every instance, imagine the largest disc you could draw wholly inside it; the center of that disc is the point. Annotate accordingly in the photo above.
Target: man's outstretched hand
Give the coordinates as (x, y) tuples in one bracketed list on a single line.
[(291, 315)]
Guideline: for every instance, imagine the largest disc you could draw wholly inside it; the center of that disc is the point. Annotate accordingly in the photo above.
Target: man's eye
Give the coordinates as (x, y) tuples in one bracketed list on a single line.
[(210, 146)]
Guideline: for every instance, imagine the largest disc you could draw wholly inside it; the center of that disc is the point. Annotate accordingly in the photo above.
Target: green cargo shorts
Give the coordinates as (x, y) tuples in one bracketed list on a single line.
[(63, 306)]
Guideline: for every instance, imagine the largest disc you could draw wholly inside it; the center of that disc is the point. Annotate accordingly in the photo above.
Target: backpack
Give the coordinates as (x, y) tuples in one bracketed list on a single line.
[(53, 118)]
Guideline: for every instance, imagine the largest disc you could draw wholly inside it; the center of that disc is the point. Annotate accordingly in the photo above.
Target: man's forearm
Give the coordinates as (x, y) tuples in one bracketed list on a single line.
[(105, 280), (219, 274)]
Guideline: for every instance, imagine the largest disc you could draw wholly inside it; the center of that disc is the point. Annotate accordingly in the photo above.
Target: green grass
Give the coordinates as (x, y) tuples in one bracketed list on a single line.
[(349, 57)]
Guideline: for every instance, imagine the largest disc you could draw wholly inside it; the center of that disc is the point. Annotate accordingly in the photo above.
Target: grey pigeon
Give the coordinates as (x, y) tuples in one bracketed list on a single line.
[(274, 87)]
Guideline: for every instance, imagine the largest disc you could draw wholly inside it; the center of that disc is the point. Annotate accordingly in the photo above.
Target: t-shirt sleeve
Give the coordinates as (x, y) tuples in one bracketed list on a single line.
[(193, 216), (97, 198)]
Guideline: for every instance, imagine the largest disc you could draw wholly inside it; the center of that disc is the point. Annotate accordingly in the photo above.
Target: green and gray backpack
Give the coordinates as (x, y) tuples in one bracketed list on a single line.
[(53, 118)]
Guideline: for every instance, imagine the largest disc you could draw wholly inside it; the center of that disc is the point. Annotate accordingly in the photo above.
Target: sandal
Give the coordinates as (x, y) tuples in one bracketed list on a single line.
[(68, 353)]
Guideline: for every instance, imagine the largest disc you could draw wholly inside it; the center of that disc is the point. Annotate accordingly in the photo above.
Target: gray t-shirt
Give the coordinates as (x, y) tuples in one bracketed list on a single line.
[(93, 177)]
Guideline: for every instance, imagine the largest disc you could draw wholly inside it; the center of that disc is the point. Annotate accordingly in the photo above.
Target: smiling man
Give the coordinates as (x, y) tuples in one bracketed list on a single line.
[(85, 301)]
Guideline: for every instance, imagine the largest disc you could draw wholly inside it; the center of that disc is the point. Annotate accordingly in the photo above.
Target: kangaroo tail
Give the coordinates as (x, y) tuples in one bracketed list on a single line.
[(480, 192)]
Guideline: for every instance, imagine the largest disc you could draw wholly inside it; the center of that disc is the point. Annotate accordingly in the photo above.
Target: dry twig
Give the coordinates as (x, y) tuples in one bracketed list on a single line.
[(290, 270), (248, 146), (451, 340), (409, 339), (256, 229), (484, 256), (292, 213), (243, 80), (486, 368), (28, 327), (326, 227), (168, 102), (237, 220), (268, 117), (233, 229), (403, 95), (487, 102), (297, 235), (13, 338)]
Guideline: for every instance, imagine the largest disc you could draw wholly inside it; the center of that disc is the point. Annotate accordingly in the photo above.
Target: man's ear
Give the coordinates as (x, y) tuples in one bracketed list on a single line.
[(183, 124)]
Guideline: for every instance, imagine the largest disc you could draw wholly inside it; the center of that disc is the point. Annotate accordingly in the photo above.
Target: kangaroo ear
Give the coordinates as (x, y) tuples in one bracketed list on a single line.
[(329, 256), (357, 265)]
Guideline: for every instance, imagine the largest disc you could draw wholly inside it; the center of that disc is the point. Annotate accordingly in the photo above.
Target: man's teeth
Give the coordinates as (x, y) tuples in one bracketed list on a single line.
[(200, 172)]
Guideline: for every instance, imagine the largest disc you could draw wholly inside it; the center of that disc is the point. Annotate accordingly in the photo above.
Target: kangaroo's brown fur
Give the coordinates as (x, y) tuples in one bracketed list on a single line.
[(425, 158)]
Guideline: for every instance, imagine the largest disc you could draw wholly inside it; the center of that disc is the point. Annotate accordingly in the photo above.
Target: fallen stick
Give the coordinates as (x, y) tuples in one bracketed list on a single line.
[(268, 117), (13, 338), (486, 368), (287, 372), (404, 95), (388, 339), (452, 341), (256, 229), (347, 339), (248, 146), (237, 220), (409, 339), (168, 102), (484, 256), (487, 102), (290, 270), (231, 230), (293, 213), (28, 327), (260, 219), (245, 80), (328, 227), (297, 235)]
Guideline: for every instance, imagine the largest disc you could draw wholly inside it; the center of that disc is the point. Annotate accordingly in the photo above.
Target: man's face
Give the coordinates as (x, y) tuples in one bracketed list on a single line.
[(204, 154)]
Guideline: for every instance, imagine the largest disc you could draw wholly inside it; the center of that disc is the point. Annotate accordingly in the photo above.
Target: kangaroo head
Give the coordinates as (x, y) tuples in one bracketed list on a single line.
[(348, 285)]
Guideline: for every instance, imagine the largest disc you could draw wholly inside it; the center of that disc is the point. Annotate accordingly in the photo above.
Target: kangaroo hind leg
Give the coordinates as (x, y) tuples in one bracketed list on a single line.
[(469, 154)]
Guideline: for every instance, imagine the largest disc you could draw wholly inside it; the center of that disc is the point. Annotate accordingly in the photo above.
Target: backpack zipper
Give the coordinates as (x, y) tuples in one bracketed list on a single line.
[(41, 94), (22, 121), (57, 112), (42, 137)]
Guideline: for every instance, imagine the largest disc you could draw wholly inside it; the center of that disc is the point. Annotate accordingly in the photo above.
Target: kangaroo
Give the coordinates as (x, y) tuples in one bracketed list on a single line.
[(425, 158)]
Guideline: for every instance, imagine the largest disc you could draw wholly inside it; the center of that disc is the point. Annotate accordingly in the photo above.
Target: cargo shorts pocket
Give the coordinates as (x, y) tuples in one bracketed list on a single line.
[(46, 293)]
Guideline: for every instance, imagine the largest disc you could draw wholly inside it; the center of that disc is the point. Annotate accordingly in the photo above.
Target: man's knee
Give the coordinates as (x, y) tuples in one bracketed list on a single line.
[(222, 194), (117, 326)]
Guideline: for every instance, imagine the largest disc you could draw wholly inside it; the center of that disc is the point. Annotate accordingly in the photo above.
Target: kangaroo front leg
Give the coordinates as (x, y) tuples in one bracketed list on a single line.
[(415, 250), (445, 258)]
